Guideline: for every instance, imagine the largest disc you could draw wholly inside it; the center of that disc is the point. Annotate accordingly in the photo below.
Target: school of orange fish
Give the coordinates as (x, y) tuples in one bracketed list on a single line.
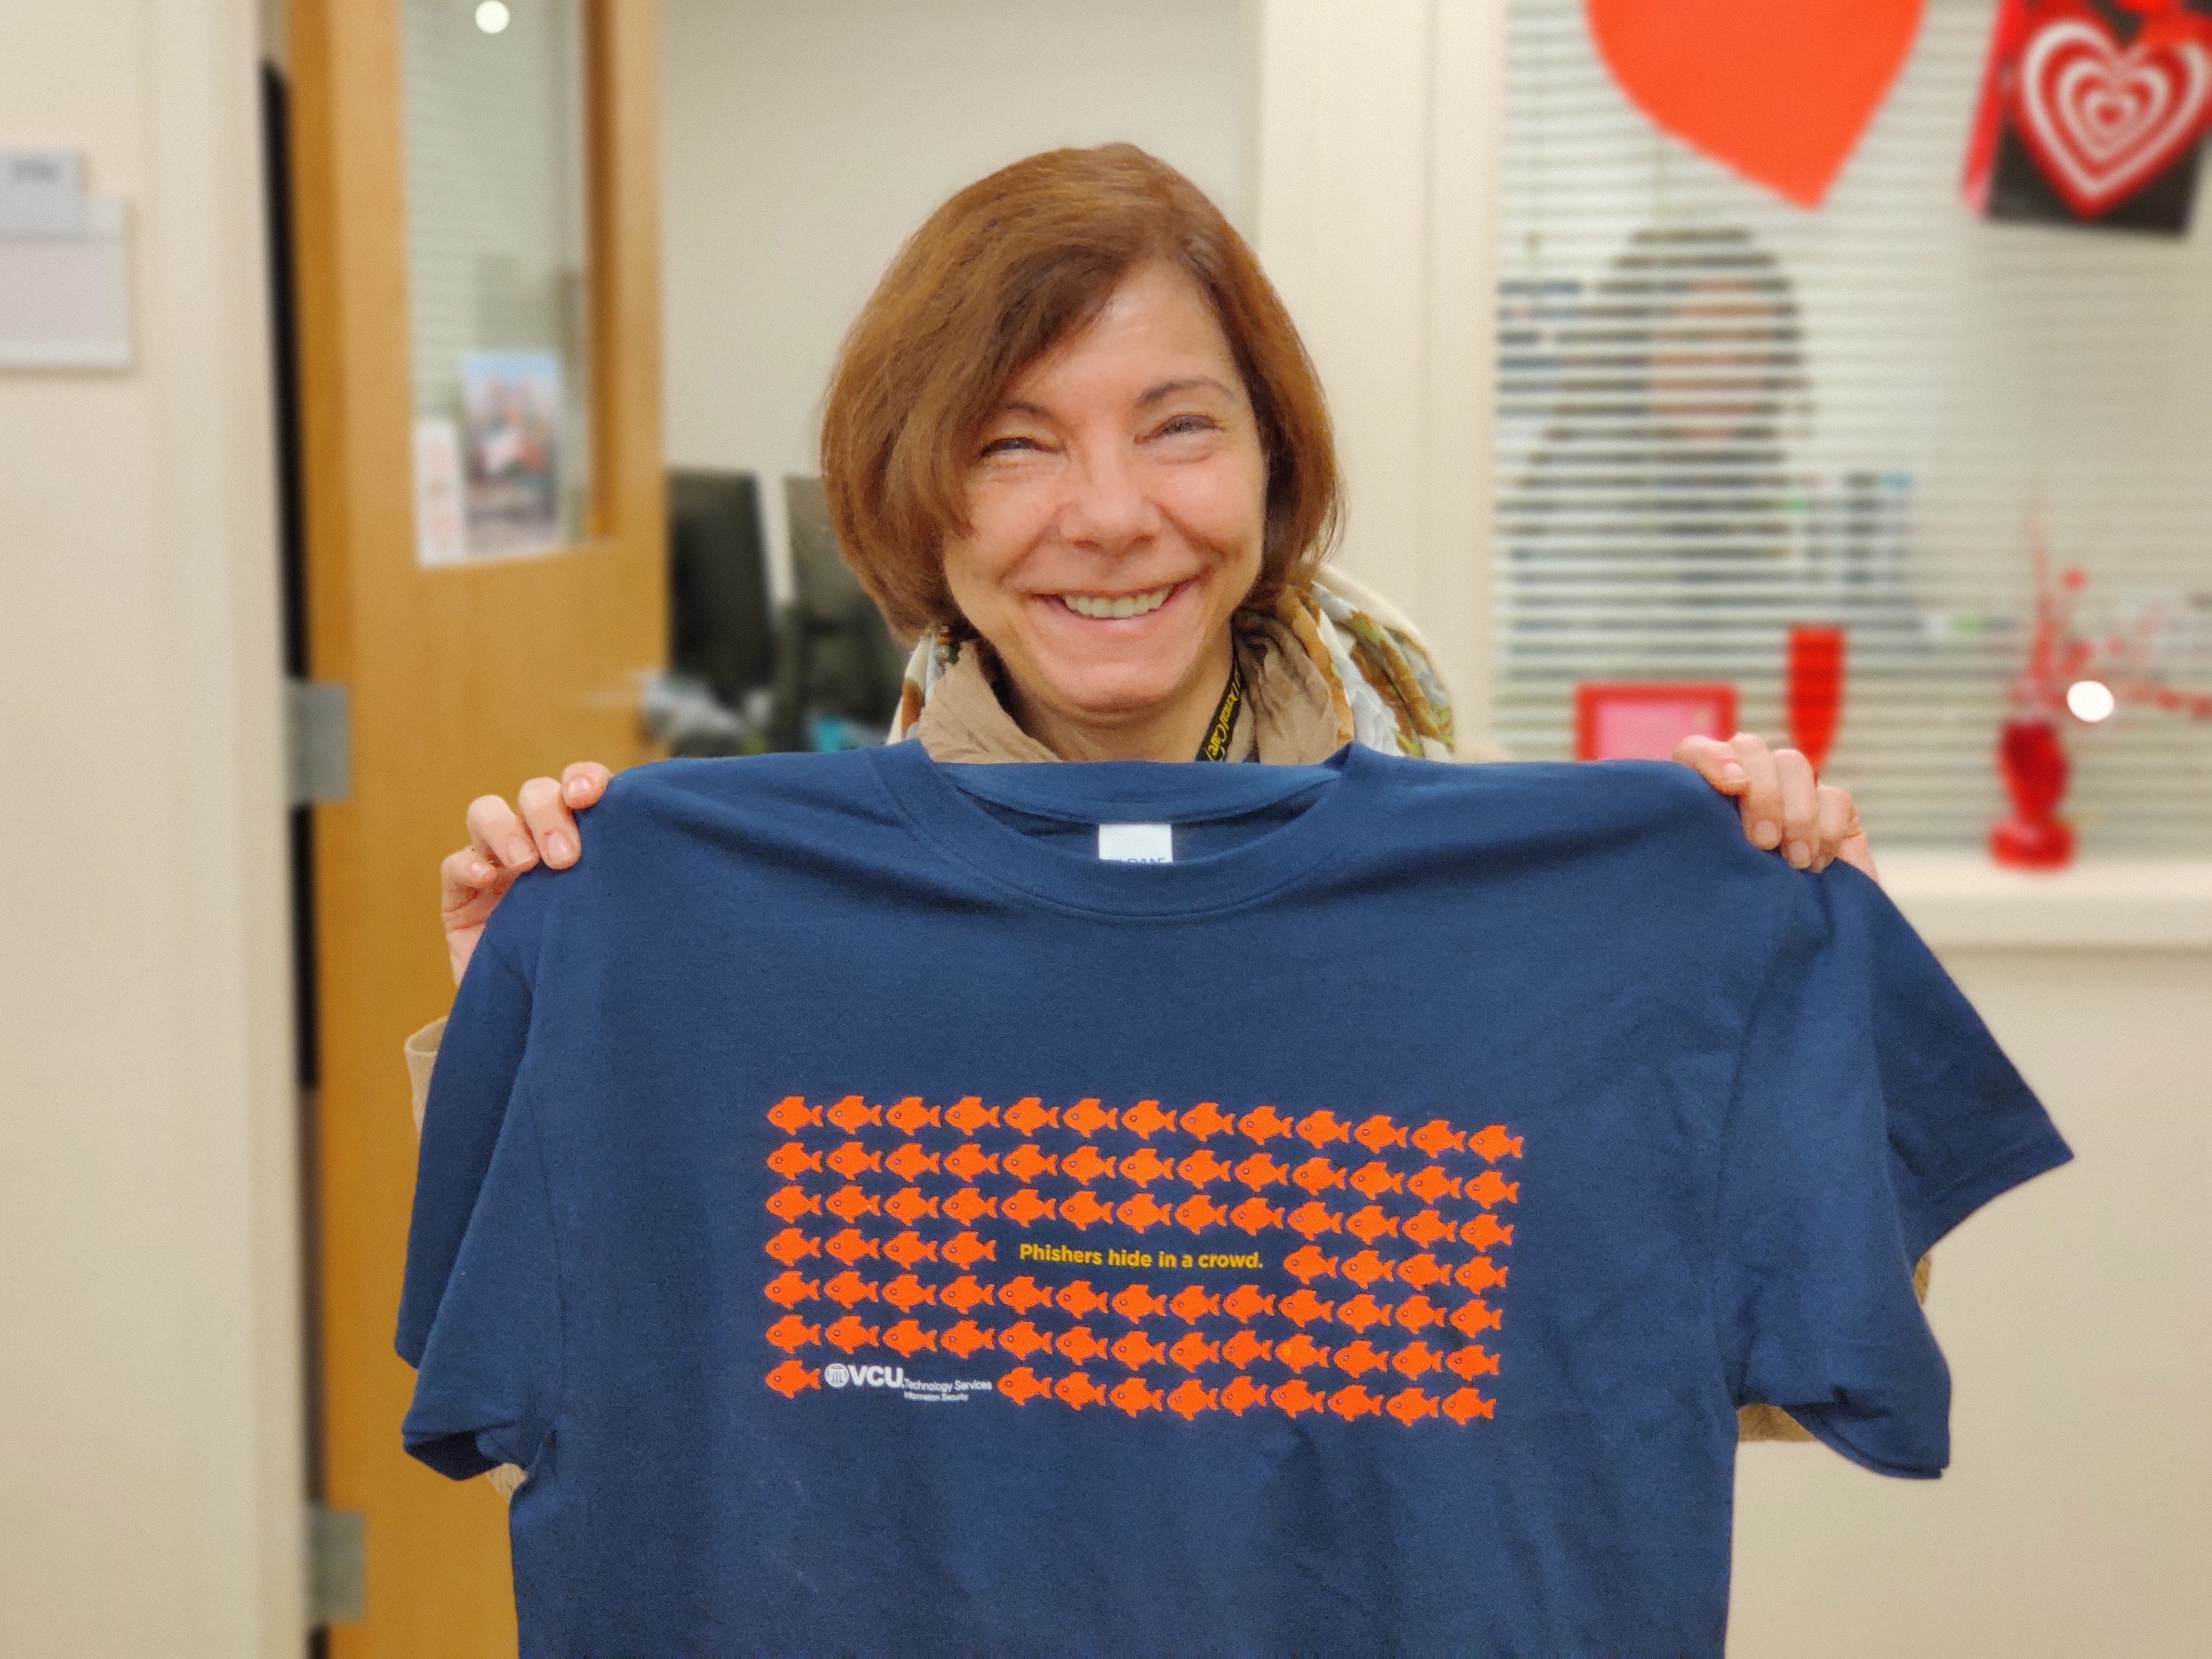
[(1398, 1226)]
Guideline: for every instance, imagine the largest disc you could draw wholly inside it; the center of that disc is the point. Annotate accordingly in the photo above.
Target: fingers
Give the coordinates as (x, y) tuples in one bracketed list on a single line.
[(1760, 801), (546, 816), (1859, 855), (582, 783), (1839, 823), (499, 834), (1801, 807), (469, 886), (1715, 762)]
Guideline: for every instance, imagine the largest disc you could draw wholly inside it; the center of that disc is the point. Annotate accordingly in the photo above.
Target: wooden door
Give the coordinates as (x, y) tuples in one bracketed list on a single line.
[(464, 676)]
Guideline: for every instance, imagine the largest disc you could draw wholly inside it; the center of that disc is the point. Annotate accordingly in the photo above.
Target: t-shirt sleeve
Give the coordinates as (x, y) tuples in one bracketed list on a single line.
[(1871, 1106)]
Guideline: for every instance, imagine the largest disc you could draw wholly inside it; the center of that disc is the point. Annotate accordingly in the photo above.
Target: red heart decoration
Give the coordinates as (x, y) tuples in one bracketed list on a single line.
[(1778, 89), (2100, 120)]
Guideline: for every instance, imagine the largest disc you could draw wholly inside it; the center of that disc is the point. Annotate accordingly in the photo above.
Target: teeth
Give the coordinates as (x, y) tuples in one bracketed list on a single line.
[(1127, 604)]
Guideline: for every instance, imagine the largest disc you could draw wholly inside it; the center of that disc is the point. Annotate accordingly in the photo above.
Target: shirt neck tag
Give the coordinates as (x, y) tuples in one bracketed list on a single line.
[(1136, 843)]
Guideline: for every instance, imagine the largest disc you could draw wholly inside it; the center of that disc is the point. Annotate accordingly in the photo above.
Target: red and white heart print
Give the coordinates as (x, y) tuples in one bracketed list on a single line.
[(2103, 120)]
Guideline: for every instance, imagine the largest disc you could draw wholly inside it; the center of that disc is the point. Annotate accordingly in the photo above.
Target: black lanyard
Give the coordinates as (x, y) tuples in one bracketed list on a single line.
[(1216, 746)]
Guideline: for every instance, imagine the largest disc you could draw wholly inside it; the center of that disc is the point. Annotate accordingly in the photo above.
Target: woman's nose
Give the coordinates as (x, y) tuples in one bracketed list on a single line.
[(1107, 507)]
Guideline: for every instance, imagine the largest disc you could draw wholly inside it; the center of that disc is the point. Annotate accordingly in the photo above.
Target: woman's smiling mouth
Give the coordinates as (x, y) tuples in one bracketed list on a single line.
[(1103, 605)]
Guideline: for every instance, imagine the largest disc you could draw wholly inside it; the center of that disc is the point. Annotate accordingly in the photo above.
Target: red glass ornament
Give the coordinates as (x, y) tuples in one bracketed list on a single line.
[(1814, 689), (2033, 762)]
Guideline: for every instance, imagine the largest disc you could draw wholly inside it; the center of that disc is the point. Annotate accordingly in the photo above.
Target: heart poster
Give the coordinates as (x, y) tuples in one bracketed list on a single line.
[(2091, 111)]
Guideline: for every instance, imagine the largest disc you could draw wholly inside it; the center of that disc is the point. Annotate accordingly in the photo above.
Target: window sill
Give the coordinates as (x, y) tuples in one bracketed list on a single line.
[(1961, 901)]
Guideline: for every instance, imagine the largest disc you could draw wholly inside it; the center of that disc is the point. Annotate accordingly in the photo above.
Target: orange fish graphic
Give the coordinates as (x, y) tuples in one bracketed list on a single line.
[(788, 1379), (1245, 1303), (906, 1293), (849, 1333), (1493, 1143), (1192, 1350), (1467, 1403), (1137, 1349), (1205, 1120), (1415, 1359), (1077, 1390), (1243, 1347), (1078, 1301), (1436, 1137), (1355, 1402), (1370, 1223), (1025, 1206), (1431, 1183), (968, 1160), (968, 1114), (1191, 1397), (1470, 1318), (849, 1204), (963, 1295), (1359, 1358), (1489, 1187), (1310, 1264), (909, 1247), (1130, 1394), (1024, 1339), (792, 1202), (1085, 1118), (1426, 1228), (791, 1160), (1026, 1116), (1484, 1231), (965, 1338), (1473, 1361), (1478, 1275), (1300, 1352), (1022, 1294), (1375, 1179), (1379, 1132), (906, 1338), (1079, 1209), (1025, 1163), (1422, 1271), (1136, 1303), (1417, 1314), (911, 1117), (853, 1160), (1262, 1124), (1145, 1166), (1318, 1128), (910, 1162), (1366, 1268), (1079, 1344), (1294, 1396), (964, 1250), (1240, 1393), (791, 1333), (1086, 1163), (1198, 1212), (851, 1112), (909, 1205), (790, 1245), (1253, 1215), (791, 1113), (1302, 1305), (1314, 1218), (1140, 1212), (1364, 1310), (1410, 1405), (1191, 1301), (967, 1204), (1021, 1385), (1202, 1167), (1144, 1117), (788, 1289), (1262, 1170), (1314, 1173)]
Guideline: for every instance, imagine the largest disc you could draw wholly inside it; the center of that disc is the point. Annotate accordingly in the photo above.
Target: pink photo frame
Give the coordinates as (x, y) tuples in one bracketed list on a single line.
[(1644, 720)]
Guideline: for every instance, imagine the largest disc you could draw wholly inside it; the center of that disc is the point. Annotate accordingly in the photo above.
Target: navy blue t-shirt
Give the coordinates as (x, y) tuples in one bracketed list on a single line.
[(879, 1224)]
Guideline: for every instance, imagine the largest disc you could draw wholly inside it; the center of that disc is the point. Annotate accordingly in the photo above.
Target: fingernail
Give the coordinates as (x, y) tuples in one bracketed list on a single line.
[(1732, 773), (518, 852), (479, 871), (1800, 854), (576, 788), (557, 850), (1766, 834)]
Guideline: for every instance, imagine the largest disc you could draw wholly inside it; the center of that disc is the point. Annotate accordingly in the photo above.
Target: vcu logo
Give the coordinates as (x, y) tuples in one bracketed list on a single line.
[(864, 1376)]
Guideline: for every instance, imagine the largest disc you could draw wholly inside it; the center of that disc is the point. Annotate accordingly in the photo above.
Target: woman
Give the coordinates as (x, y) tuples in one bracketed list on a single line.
[(1074, 442)]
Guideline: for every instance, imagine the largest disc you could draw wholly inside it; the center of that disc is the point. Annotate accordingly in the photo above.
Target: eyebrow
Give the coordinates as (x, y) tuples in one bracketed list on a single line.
[(1164, 389)]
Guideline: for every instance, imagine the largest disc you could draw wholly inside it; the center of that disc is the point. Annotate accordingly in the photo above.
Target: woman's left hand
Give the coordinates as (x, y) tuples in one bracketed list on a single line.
[(1784, 807)]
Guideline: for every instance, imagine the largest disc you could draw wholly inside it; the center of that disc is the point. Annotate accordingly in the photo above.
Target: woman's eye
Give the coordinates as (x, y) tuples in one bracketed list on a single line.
[(1007, 446), (1185, 425)]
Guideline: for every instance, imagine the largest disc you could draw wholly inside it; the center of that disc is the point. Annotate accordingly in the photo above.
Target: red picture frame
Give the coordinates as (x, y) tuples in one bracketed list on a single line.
[(1633, 720)]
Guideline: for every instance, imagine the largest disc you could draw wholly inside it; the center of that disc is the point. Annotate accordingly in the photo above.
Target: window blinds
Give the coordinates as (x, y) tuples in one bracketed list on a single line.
[(1718, 415)]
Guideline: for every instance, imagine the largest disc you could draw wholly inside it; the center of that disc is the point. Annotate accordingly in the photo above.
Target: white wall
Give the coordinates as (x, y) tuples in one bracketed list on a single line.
[(149, 1424), (802, 143)]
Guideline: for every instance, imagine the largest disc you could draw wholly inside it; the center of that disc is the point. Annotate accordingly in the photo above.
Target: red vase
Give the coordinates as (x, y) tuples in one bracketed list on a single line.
[(2033, 762)]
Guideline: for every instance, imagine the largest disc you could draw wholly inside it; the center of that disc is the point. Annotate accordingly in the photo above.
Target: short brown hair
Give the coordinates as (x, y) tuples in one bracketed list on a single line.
[(993, 279)]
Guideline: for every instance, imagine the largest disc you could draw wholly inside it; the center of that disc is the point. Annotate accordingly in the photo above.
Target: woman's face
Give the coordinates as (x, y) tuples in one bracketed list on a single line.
[(1117, 501)]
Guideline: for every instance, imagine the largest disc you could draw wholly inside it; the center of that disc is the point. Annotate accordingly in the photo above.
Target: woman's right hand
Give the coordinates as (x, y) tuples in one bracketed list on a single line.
[(503, 843)]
